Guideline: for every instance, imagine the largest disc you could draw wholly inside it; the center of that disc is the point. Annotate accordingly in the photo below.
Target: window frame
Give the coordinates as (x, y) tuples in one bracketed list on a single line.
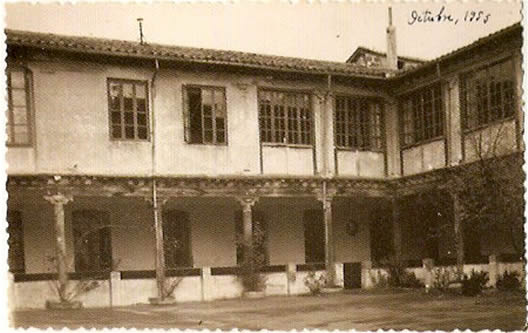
[(357, 125), (463, 100), (187, 116), (110, 80), (421, 108), (28, 87), (286, 129)]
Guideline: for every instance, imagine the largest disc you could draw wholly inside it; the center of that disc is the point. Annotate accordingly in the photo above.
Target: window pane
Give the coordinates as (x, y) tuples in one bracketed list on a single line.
[(129, 132), (18, 97), (116, 132), (140, 105), (142, 132), (17, 79), (129, 118), (116, 117), (142, 119), (21, 134), (141, 91), (20, 115)]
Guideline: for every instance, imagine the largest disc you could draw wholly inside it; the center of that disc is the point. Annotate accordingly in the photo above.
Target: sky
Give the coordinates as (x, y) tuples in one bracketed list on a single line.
[(326, 31)]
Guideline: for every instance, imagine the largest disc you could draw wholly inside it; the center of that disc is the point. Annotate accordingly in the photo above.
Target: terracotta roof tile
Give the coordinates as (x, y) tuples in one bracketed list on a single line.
[(178, 53)]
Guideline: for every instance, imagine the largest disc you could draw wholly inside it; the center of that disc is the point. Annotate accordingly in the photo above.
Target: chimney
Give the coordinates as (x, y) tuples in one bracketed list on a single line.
[(392, 56)]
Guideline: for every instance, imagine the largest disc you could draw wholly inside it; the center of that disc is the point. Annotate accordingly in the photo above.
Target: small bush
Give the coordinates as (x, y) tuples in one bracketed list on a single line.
[(473, 285), (443, 277), (398, 277), (509, 281), (379, 280), (315, 283)]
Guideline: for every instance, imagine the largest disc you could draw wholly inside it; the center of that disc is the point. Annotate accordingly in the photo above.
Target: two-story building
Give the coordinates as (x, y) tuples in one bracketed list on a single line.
[(131, 157)]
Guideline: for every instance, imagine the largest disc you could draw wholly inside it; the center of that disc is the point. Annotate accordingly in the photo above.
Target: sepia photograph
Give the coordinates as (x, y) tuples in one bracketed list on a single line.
[(265, 165)]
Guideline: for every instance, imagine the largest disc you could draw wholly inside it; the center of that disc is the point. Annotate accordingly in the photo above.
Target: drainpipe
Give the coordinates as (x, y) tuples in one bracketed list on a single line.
[(158, 226)]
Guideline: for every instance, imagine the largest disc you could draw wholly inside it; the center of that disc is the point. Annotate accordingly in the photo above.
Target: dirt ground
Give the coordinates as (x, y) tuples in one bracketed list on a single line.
[(358, 310)]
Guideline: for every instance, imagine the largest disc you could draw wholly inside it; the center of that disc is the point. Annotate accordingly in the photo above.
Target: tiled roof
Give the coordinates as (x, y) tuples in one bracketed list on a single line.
[(112, 47), (479, 42), (186, 54), (362, 49)]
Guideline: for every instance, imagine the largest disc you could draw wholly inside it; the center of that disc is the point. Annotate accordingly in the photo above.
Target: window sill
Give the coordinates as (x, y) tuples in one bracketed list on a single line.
[(487, 125), (197, 144), (423, 142), (129, 141), (364, 150), (19, 145), (286, 145)]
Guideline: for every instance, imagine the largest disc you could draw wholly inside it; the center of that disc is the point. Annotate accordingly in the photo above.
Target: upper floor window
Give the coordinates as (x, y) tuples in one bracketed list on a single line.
[(487, 95), (358, 123), (19, 107), (285, 117), (422, 115), (205, 115), (127, 102)]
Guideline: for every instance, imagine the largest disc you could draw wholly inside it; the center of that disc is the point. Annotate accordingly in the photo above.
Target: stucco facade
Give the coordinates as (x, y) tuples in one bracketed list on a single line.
[(72, 153)]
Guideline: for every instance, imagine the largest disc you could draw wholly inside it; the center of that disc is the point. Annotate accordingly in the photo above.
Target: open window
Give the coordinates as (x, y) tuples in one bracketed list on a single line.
[(19, 118), (205, 115)]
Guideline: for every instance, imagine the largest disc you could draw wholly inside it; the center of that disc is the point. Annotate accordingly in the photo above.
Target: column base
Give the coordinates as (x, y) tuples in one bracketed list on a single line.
[(62, 305), (162, 301)]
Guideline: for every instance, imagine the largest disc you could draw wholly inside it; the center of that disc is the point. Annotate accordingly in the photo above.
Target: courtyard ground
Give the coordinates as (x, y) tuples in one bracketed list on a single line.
[(358, 310)]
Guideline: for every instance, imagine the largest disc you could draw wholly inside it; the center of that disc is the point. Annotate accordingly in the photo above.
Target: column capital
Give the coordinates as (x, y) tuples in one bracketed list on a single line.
[(247, 202), (325, 199), (161, 200), (58, 198)]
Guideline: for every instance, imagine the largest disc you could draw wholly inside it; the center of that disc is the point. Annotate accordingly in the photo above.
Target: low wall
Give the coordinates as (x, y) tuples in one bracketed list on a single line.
[(495, 268), (134, 287)]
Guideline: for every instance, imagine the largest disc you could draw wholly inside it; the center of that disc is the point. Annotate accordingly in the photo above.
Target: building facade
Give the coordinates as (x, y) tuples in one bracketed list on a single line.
[(133, 158)]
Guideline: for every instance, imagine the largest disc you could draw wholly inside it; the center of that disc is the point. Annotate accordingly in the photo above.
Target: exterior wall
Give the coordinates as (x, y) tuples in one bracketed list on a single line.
[(72, 125), (360, 164), (424, 157), (495, 140)]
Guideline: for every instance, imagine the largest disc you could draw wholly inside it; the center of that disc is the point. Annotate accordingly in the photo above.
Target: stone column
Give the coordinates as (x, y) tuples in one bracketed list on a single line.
[(160, 250), (206, 283), (428, 265), (291, 277), (115, 288), (58, 201), (247, 220), (396, 229), (329, 240), (493, 270)]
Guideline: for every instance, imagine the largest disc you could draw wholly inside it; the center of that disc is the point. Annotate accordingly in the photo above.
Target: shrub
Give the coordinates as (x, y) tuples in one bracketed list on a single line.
[(509, 281), (473, 285), (399, 277), (249, 273), (315, 283), (379, 280), (443, 277)]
